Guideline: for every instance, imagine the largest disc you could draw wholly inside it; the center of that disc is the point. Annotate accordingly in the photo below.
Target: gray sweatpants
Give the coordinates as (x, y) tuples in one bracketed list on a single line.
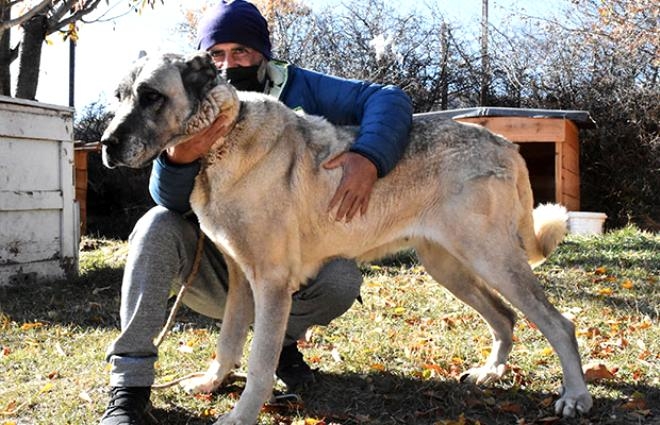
[(161, 253)]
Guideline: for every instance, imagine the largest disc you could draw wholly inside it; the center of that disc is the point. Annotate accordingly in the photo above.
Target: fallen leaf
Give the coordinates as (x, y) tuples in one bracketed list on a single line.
[(546, 402), (204, 396), (378, 366), (28, 326), (309, 421), (600, 270), (455, 370), (594, 372), (84, 395), (549, 420), (435, 368), (448, 323), (635, 404), (9, 408), (46, 388), (547, 351), (591, 332), (644, 325), (627, 284), (314, 359), (510, 407), (459, 421), (605, 291), (531, 325), (637, 375), (210, 413)]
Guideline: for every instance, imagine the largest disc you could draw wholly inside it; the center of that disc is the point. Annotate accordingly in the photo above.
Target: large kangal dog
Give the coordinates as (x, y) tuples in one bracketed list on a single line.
[(460, 197)]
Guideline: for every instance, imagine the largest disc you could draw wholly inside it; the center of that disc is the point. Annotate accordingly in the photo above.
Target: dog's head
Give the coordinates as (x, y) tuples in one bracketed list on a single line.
[(162, 100)]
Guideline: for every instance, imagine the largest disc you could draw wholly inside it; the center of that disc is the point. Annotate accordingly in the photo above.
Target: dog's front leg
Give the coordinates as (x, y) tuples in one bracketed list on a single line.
[(272, 307), (239, 313)]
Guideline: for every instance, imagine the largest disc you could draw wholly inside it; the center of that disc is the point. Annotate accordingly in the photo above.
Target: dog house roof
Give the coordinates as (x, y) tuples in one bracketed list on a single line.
[(581, 118)]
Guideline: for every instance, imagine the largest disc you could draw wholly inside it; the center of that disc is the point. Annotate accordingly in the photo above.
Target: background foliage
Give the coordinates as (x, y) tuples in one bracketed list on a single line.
[(596, 55)]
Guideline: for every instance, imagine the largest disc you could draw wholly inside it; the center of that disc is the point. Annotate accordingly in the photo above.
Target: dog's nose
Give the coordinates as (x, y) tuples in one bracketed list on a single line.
[(111, 140)]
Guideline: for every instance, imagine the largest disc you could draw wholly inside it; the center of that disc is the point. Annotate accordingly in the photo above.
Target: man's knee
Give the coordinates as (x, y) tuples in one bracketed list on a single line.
[(340, 280), (160, 224)]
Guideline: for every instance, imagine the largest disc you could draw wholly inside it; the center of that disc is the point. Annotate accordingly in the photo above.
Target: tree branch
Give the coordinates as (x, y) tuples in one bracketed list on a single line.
[(5, 25), (55, 25), (62, 9)]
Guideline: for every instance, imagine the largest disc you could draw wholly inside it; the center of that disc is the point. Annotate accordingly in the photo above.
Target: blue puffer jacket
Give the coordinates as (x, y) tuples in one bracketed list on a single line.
[(383, 112)]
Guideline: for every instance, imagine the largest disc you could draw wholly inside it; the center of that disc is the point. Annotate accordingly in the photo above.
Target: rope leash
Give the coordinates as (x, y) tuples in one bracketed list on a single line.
[(179, 297), (177, 303)]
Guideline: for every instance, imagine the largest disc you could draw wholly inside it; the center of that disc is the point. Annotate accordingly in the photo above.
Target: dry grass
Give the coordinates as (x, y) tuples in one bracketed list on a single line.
[(392, 360)]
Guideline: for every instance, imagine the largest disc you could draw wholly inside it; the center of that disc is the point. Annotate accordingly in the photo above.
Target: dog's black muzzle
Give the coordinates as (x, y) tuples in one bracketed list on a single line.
[(111, 150)]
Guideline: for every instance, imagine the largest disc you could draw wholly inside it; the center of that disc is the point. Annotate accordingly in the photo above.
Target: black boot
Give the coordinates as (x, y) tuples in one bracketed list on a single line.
[(128, 406), (293, 370)]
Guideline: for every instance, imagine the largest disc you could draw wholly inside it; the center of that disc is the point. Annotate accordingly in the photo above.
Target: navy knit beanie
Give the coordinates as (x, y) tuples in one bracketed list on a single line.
[(234, 22)]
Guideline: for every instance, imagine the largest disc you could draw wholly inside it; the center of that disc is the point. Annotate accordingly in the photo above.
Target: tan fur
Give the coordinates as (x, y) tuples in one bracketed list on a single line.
[(460, 196)]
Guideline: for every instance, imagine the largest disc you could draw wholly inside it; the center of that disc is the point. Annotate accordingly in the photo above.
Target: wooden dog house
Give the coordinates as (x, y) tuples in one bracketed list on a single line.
[(38, 215), (548, 140)]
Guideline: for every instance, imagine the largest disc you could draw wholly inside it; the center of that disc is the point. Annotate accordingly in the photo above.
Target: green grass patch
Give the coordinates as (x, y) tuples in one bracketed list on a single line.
[(394, 359)]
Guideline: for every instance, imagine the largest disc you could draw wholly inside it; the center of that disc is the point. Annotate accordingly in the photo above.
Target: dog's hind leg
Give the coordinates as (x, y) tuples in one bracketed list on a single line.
[(470, 289), (502, 263)]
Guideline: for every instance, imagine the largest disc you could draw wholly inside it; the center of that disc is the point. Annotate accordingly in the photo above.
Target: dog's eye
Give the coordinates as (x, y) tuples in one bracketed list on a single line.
[(149, 97), (118, 95)]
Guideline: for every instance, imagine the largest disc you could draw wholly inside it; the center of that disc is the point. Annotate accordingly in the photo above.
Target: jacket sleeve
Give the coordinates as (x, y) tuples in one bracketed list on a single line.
[(383, 112), (170, 185)]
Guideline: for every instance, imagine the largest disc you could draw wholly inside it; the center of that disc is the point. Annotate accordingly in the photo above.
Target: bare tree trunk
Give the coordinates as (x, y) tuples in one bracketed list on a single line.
[(7, 56), (485, 63), (28, 70), (444, 83)]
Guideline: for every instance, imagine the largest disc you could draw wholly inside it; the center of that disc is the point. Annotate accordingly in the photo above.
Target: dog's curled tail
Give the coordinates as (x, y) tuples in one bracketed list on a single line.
[(550, 227)]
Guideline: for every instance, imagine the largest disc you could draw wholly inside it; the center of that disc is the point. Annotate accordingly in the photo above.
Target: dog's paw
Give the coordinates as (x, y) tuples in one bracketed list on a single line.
[(484, 374), (230, 419), (201, 384), (570, 404), (206, 383)]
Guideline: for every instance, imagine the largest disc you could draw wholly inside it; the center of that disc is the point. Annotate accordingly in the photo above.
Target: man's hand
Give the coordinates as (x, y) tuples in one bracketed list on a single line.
[(355, 186), (198, 144)]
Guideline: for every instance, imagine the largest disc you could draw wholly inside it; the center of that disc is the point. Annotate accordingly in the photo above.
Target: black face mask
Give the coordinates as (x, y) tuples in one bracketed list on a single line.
[(244, 78)]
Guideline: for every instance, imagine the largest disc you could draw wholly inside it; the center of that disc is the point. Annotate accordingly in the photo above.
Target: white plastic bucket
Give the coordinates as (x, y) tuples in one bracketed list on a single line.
[(586, 223)]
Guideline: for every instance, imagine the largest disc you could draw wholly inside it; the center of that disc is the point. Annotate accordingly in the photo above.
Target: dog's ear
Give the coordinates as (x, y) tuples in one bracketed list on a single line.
[(198, 74)]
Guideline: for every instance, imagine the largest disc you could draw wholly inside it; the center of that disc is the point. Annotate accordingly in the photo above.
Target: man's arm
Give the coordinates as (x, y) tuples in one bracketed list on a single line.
[(357, 182), (384, 114), (170, 185), (174, 171)]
